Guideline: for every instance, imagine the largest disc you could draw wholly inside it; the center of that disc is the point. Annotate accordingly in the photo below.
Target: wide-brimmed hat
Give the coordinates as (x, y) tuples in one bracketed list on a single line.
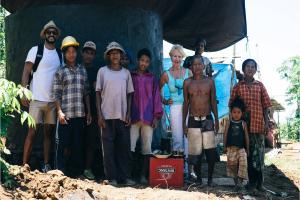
[(113, 46), (89, 44), (50, 24)]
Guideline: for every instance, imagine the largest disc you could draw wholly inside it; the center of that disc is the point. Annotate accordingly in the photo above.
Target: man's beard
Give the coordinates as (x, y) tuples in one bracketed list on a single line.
[(50, 41)]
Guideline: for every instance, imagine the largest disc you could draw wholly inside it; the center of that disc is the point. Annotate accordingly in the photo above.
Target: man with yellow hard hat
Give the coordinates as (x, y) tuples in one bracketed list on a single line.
[(41, 64), (71, 94)]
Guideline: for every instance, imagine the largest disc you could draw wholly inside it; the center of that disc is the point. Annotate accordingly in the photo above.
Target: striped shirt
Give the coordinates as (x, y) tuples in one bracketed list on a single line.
[(69, 88)]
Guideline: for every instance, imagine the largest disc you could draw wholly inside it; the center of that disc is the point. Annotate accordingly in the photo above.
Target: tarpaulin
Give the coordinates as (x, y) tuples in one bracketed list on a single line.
[(224, 78), (221, 22)]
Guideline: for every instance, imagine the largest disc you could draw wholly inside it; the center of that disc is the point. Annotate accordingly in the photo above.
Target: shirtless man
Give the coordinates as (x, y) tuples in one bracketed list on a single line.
[(200, 100)]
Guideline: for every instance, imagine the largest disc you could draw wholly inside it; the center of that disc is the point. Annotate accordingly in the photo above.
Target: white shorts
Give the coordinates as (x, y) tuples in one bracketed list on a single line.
[(198, 140), (43, 112)]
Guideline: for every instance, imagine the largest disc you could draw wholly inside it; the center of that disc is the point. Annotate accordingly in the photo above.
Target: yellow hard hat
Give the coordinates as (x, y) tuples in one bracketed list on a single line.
[(69, 41)]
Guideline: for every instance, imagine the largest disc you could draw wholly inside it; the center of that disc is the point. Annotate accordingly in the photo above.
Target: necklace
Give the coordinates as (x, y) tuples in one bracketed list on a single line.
[(180, 72)]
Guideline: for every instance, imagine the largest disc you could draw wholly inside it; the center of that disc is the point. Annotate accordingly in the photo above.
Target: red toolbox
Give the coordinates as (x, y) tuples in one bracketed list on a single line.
[(166, 172)]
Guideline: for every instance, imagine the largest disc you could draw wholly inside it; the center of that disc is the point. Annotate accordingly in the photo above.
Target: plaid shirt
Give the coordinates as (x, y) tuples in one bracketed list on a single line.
[(69, 88), (256, 99)]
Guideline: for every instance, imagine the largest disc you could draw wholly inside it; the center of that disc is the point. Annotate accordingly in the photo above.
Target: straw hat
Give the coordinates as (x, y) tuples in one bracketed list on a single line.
[(50, 24), (112, 46), (89, 44)]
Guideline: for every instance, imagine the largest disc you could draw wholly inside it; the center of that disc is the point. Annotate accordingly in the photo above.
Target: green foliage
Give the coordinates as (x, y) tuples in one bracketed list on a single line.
[(9, 104), (5, 176), (290, 70), (9, 108), (291, 130), (2, 42)]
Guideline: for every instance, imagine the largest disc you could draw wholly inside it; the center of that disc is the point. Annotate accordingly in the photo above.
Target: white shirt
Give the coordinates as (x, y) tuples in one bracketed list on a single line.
[(114, 87), (206, 63), (41, 84)]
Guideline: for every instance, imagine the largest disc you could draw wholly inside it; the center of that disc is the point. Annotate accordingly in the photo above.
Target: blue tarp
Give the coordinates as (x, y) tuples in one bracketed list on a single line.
[(223, 79)]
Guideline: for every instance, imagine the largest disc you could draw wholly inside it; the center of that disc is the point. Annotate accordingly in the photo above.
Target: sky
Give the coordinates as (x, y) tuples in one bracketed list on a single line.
[(273, 36)]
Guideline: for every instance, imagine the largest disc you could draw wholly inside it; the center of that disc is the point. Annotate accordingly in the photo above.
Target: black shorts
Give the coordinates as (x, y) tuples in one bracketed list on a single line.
[(70, 134), (206, 124)]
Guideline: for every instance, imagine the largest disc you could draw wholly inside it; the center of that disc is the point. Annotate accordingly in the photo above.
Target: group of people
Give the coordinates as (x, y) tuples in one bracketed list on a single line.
[(116, 110)]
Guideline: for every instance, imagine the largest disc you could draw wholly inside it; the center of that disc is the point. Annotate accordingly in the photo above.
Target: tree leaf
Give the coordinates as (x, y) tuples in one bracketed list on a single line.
[(24, 116), (31, 122), (6, 151)]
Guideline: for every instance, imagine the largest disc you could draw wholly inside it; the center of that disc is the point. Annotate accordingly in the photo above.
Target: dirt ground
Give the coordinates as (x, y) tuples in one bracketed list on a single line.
[(282, 175)]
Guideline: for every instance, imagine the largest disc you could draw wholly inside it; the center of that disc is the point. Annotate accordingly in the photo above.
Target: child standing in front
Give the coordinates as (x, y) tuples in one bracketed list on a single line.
[(236, 144)]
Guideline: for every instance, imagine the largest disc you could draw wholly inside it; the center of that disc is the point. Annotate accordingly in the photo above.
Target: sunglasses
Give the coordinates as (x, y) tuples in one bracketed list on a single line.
[(51, 32)]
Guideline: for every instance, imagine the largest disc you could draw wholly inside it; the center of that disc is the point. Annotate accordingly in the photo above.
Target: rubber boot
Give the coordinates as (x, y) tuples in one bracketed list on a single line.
[(211, 159), (145, 170), (132, 164), (198, 169)]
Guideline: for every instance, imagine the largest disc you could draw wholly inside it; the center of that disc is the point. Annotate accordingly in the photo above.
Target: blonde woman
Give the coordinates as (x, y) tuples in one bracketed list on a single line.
[(174, 78)]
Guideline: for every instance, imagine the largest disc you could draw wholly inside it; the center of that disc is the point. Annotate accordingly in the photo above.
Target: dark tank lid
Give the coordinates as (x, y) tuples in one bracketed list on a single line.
[(221, 22)]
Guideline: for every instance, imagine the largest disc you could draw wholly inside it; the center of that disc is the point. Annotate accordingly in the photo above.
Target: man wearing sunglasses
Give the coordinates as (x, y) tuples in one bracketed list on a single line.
[(41, 64)]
